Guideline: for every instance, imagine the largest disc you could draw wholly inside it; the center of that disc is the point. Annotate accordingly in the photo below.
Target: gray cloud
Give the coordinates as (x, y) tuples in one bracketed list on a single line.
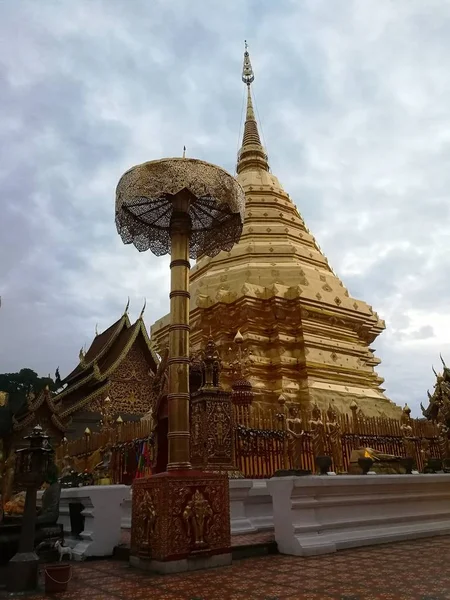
[(353, 99)]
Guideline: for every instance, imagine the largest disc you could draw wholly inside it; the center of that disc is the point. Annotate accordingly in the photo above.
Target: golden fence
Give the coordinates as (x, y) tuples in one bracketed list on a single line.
[(262, 446), (261, 442), (119, 434)]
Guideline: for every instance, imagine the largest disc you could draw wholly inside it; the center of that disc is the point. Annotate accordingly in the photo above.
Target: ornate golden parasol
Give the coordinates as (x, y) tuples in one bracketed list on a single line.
[(189, 208)]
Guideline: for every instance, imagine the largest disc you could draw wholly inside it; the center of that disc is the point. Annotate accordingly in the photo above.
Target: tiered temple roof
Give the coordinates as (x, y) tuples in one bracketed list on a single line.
[(120, 364), (304, 335)]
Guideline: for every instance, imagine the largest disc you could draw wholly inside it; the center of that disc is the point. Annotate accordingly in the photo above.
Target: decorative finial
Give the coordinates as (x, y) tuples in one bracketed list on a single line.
[(184, 151), (247, 72), (119, 420), (238, 338), (81, 356), (127, 306), (87, 432), (252, 154), (96, 329), (143, 308), (281, 399)]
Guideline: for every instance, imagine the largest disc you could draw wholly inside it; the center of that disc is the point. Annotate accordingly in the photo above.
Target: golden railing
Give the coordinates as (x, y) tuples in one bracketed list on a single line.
[(262, 442), (88, 444)]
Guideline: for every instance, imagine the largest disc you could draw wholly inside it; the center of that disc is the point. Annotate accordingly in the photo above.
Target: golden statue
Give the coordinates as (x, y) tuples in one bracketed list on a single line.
[(443, 439), (407, 433), (386, 464), (425, 451), (295, 436), (334, 438), (318, 432), (378, 456), (102, 470)]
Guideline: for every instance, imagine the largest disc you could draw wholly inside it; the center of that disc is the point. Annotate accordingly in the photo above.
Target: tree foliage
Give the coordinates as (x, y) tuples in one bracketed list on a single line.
[(19, 385)]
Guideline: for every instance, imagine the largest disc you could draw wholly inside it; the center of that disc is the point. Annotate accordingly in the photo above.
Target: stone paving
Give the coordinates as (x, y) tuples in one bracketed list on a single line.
[(405, 571)]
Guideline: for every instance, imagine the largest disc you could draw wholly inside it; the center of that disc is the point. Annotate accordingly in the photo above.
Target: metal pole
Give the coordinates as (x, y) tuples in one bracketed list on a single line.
[(178, 362), (27, 534)]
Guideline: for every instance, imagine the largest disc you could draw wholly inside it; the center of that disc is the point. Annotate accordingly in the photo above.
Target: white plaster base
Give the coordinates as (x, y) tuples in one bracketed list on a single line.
[(259, 506), (103, 516), (318, 515), (239, 493), (181, 566), (126, 509)]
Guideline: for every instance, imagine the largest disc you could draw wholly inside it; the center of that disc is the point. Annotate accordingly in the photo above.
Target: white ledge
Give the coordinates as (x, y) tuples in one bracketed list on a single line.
[(319, 514)]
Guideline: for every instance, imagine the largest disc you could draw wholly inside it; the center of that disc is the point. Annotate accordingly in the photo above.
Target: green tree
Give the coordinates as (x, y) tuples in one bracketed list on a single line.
[(19, 385)]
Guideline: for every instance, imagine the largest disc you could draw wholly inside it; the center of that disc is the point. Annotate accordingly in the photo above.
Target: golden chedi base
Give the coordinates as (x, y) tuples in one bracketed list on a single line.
[(180, 522)]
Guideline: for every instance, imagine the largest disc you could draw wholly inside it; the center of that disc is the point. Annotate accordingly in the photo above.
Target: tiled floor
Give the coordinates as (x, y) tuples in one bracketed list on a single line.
[(236, 540), (406, 571)]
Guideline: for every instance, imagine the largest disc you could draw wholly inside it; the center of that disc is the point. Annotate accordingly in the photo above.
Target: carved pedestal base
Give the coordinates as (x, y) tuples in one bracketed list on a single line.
[(180, 522)]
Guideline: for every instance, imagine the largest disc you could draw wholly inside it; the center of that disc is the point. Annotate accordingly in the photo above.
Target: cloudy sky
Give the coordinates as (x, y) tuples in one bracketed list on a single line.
[(354, 102)]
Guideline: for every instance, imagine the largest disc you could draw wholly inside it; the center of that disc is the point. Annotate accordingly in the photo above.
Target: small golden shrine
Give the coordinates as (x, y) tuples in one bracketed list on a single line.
[(120, 365), (303, 335)]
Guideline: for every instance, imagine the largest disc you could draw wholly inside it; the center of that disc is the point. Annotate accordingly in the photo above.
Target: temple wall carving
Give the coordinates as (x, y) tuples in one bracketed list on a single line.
[(306, 354), (130, 385)]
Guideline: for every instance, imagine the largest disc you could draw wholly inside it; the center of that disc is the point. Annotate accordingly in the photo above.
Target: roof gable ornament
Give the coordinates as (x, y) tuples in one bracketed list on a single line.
[(143, 309), (96, 371), (81, 357)]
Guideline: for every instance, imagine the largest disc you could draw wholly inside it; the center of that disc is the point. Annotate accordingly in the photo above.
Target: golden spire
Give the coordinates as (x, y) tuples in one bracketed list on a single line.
[(251, 155)]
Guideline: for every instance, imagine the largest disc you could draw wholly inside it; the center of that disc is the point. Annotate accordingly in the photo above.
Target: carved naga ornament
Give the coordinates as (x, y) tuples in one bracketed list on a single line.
[(438, 409)]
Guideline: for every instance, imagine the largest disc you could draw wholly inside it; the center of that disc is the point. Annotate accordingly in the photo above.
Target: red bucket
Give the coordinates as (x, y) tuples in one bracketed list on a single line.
[(57, 577)]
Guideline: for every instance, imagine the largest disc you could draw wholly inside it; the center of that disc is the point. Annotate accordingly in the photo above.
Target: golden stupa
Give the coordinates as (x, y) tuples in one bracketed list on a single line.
[(304, 336)]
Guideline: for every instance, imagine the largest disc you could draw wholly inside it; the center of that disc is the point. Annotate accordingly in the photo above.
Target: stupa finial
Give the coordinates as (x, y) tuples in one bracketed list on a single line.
[(251, 155), (247, 72)]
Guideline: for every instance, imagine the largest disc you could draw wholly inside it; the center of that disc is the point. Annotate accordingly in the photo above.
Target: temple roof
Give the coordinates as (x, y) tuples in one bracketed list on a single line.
[(91, 380), (26, 415), (98, 348)]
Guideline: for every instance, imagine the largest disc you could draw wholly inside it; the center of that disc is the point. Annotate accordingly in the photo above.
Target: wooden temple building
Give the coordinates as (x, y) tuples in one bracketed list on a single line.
[(304, 336), (120, 365), (39, 408)]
